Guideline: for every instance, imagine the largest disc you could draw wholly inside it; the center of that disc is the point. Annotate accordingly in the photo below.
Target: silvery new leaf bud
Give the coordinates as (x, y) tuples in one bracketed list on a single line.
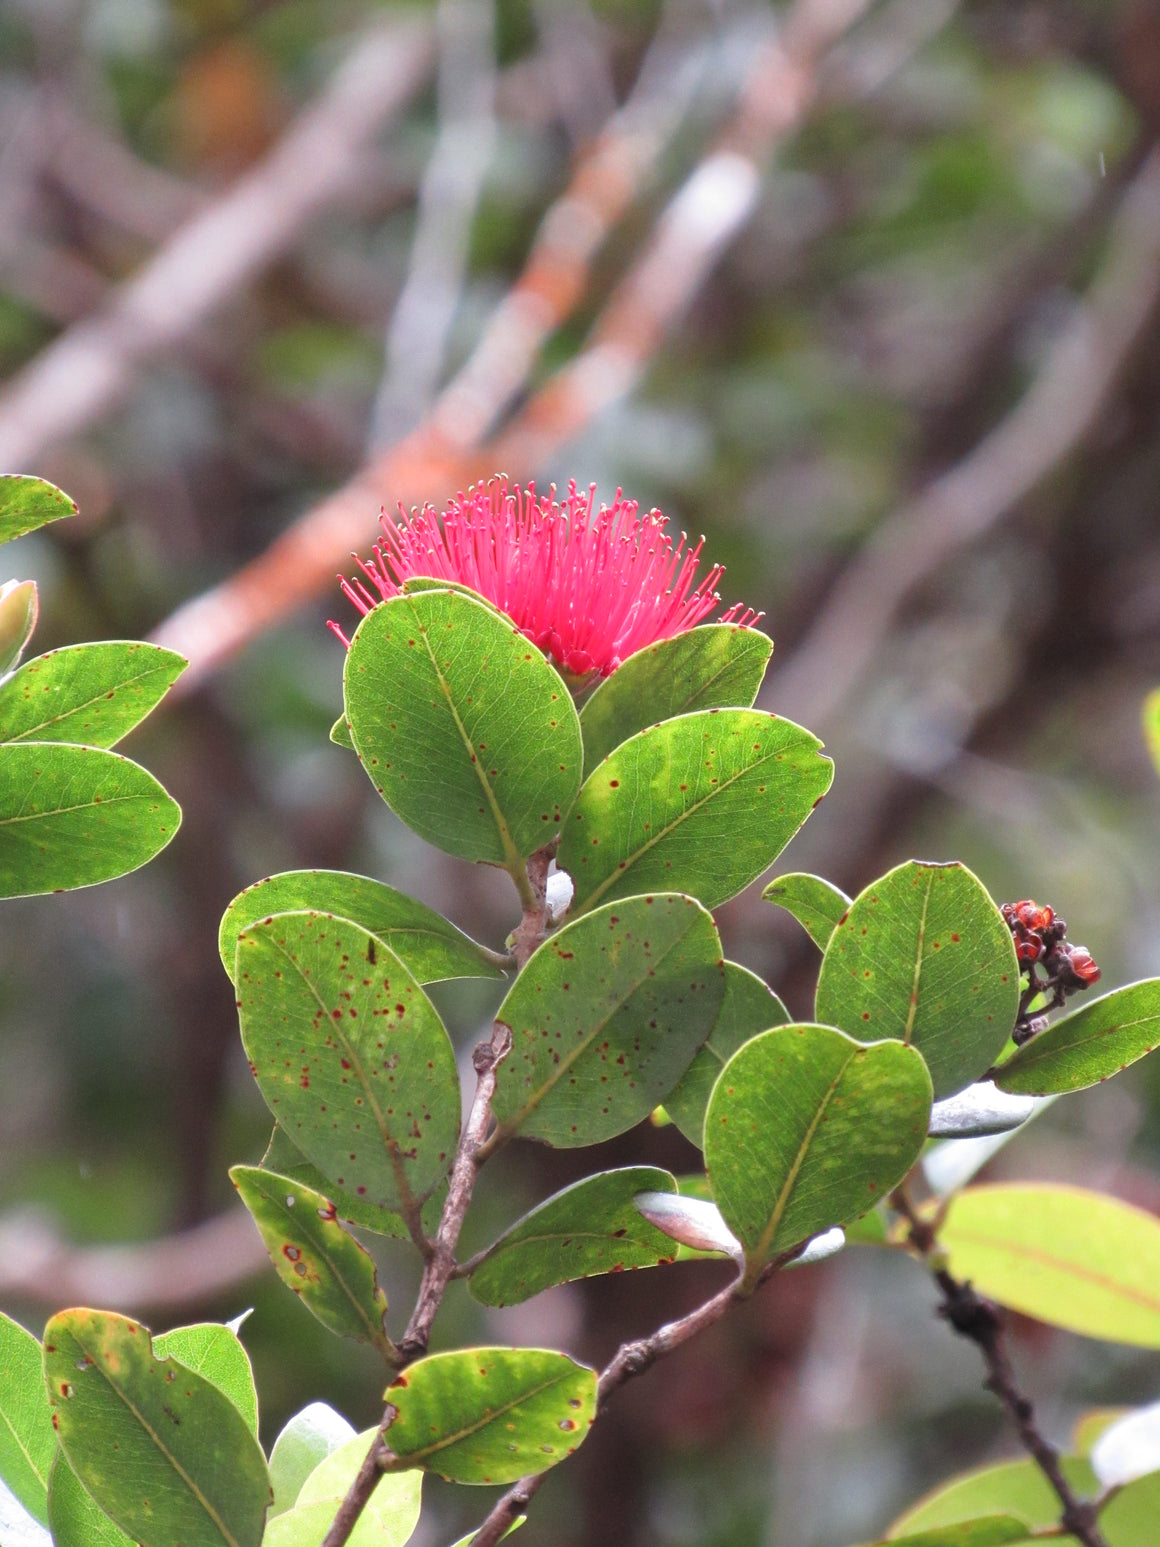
[(19, 606)]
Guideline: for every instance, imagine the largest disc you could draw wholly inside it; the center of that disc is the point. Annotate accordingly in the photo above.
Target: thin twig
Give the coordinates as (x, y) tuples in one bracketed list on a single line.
[(437, 1271), (531, 928), (980, 1320)]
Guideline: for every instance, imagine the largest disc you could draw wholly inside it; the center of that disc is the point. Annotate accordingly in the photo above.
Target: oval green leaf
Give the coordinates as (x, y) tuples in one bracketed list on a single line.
[(91, 695), (701, 804), (315, 1256), (27, 1440), (749, 1006), (605, 1019), (216, 1353), (350, 1056), (429, 945), (987, 1531), (27, 502), (76, 1519), (74, 816), (806, 1129), (716, 666), (160, 1449), (490, 1415), (307, 1439), (389, 1519), (1020, 1488), (1087, 1046), (589, 1228), (1066, 1256), (466, 731), (923, 955), (818, 906)]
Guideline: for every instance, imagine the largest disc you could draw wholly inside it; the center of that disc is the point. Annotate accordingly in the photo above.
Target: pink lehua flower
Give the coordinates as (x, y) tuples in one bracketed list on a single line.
[(587, 587)]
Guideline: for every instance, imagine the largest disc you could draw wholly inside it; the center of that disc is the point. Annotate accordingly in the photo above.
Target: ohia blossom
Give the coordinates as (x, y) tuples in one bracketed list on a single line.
[(588, 587)]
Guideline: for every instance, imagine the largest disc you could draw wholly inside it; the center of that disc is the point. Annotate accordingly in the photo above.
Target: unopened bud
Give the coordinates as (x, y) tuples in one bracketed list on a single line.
[(19, 606)]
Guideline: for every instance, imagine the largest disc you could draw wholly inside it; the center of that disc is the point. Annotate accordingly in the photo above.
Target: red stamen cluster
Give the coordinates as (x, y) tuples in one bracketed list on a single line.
[(587, 587), (1040, 939)]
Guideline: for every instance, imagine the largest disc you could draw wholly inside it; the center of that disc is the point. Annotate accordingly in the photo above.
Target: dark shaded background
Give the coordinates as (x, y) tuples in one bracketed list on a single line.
[(914, 402)]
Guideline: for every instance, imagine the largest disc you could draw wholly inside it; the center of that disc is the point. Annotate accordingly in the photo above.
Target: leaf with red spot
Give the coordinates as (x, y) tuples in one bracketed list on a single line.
[(923, 955), (701, 804), (589, 1228), (489, 1415), (466, 731), (350, 1056), (90, 695), (159, 1448), (807, 1129), (605, 1019), (315, 1256), (27, 502), (1089, 1045), (283, 1157)]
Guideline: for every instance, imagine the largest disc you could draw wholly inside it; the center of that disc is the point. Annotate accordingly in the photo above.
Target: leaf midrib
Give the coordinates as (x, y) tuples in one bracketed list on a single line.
[(1062, 1264), (406, 1196), (566, 1062), (446, 1441), (783, 1197), (616, 875), (23, 1448), (97, 698), (511, 854), (156, 1438), (88, 805), (912, 1007)]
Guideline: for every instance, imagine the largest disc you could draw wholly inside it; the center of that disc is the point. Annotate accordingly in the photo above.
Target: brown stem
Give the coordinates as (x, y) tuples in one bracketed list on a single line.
[(630, 1359), (437, 1271), (981, 1321), (534, 924)]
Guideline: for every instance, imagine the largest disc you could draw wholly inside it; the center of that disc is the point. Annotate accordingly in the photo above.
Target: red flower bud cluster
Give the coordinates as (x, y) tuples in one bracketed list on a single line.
[(1041, 941)]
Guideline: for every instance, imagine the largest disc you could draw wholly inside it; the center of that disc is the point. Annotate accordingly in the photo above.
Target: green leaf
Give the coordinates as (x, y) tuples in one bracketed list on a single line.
[(1069, 1257), (349, 1055), (315, 1256), (1020, 1488), (73, 816), (429, 945), (1089, 1045), (160, 1449), (606, 1017), (1150, 717), (27, 1440), (19, 610), (27, 502), (716, 666), (340, 733), (309, 1437), (924, 956), (818, 907), (589, 1228), (76, 1519), (283, 1157), (466, 731), (701, 804), (749, 1006), (91, 695), (215, 1352), (807, 1128), (490, 1415), (987, 1531), (389, 1519)]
